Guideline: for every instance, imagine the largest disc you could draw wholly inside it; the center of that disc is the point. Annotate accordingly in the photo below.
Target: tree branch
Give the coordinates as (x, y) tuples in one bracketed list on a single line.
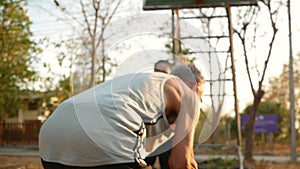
[(275, 30), (86, 19), (242, 38), (96, 6), (105, 23)]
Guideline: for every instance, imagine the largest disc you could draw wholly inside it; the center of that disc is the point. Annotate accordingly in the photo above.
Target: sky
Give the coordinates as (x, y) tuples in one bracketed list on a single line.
[(49, 22)]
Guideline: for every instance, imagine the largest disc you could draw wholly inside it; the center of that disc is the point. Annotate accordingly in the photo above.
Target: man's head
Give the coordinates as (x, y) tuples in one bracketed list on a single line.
[(191, 76), (162, 66)]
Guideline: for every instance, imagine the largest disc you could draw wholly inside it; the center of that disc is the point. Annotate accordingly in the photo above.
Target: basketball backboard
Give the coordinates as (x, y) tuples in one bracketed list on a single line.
[(181, 4)]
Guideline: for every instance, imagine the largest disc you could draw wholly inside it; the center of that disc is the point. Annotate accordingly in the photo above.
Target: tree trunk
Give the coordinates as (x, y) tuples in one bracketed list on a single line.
[(92, 80), (215, 138), (249, 126)]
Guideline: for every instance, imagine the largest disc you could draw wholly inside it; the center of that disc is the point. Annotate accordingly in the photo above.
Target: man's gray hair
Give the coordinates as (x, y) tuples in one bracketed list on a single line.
[(188, 73)]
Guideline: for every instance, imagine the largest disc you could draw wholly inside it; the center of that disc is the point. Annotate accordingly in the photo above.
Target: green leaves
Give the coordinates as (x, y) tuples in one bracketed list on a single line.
[(16, 52)]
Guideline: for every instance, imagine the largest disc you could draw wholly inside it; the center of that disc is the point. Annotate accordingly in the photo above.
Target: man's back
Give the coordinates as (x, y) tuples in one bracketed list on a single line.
[(100, 125)]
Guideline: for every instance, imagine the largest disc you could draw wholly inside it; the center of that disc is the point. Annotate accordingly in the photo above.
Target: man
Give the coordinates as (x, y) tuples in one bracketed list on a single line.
[(118, 123), (162, 66)]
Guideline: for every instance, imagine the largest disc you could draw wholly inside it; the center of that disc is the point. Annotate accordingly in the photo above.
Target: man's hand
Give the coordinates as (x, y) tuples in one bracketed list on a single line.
[(182, 157)]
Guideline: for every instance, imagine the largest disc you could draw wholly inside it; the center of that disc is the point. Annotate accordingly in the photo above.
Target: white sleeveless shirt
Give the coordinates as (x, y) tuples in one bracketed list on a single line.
[(106, 124)]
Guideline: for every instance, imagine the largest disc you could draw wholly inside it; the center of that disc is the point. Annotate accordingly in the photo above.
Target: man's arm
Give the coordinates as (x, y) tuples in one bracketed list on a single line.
[(180, 111), (182, 154)]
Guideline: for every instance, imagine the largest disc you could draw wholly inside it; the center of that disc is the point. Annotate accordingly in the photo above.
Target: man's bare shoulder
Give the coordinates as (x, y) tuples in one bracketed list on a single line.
[(172, 99)]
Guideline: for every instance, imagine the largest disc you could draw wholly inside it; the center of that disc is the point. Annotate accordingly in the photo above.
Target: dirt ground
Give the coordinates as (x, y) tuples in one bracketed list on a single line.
[(20, 162), (33, 162), (272, 165)]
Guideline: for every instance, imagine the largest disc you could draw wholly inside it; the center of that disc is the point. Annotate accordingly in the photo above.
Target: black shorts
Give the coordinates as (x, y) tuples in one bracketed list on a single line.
[(51, 165)]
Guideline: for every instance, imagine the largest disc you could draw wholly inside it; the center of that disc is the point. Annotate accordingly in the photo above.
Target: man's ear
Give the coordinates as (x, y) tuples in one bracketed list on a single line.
[(194, 88)]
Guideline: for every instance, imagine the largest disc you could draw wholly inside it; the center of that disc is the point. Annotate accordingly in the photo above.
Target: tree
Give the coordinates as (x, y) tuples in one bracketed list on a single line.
[(278, 91), (17, 52), (96, 15), (249, 33)]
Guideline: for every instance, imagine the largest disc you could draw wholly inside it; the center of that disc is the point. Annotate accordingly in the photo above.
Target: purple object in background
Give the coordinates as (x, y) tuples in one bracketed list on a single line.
[(265, 123)]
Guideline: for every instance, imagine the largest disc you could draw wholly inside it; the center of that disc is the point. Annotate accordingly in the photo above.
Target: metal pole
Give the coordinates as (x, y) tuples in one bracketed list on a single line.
[(292, 95), (176, 38), (173, 37), (236, 107)]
